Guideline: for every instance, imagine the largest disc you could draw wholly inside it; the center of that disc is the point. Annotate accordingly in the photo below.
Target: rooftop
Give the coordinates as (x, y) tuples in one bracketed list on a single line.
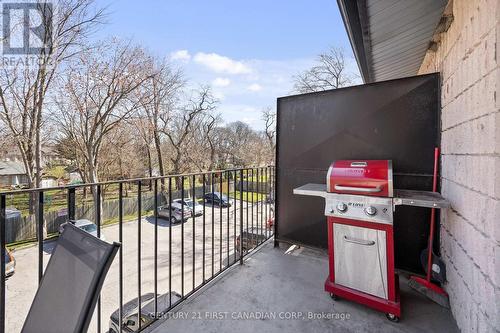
[(390, 38), (12, 168), (272, 286)]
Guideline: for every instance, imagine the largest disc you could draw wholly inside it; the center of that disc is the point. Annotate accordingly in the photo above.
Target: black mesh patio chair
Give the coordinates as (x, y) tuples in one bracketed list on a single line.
[(68, 292)]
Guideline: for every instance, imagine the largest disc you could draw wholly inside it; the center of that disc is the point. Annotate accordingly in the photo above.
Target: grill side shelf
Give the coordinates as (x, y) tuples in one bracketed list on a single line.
[(315, 190), (426, 199)]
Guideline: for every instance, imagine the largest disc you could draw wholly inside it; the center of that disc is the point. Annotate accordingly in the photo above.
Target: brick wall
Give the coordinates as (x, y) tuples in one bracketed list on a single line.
[(467, 57)]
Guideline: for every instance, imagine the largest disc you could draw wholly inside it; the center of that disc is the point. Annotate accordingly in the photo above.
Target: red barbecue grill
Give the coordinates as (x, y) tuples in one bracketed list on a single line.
[(359, 205)]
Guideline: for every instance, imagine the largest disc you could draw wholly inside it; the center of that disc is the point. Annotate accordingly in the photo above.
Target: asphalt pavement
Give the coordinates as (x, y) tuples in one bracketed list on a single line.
[(220, 233)]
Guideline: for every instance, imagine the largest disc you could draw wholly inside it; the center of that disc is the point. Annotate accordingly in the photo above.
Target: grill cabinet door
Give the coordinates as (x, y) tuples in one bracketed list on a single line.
[(360, 259)]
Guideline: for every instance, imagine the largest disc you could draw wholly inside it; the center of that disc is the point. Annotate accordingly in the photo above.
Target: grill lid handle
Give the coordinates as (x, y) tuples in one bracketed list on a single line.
[(358, 189), (358, 164)]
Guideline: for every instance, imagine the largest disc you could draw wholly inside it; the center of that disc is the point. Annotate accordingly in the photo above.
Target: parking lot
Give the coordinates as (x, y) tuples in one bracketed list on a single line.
[(21, 287)]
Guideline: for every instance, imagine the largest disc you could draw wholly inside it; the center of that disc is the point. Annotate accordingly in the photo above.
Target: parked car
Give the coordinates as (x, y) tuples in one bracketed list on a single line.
[(130, 323), (164, 212), (85, 225), (270, 223), (270, 220), (194, 206), (251, 238), (269, 198), (10, 263), (218, 199), (12, 213)]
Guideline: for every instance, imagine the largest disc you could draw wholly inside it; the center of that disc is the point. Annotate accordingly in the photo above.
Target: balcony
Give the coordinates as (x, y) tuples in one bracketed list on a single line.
[(276, 291), (214, 271)]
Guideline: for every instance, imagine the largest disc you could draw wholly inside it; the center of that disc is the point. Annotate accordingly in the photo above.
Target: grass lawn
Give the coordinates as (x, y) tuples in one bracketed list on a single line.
[(253, 178), (126, 218), (247, 196)]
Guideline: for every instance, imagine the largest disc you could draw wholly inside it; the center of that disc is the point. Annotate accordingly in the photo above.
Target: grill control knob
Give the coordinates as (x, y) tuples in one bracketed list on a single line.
[(341, 207), (370, 211)]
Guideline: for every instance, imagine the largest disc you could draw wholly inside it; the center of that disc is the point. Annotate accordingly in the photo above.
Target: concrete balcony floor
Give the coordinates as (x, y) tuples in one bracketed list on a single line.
[(271, 287)]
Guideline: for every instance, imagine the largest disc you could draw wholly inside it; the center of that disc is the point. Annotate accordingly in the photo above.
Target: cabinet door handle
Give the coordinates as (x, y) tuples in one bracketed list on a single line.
[(359, 241)]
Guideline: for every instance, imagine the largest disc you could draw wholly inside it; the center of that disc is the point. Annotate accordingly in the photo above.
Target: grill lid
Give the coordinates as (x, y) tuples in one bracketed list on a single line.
[(361, 177)]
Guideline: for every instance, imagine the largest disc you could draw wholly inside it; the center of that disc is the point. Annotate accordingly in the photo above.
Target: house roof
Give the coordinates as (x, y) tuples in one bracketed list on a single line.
[(390, 37), (8, 168)]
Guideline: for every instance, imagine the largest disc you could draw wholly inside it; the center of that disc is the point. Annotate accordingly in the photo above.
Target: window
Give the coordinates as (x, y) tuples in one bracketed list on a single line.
[(89, 227)]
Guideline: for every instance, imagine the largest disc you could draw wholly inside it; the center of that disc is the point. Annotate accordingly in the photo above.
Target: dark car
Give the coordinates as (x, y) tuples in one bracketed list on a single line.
[(129, 321), (251, 238), (218, 199)]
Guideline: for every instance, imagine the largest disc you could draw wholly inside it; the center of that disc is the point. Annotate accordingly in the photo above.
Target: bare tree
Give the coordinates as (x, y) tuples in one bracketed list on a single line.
[(146, 134), (241, 143), (330, 72), (121, 154), (185, 123), (25, 85), (158, 96), (269, 118), (212, 140), (97, 97)]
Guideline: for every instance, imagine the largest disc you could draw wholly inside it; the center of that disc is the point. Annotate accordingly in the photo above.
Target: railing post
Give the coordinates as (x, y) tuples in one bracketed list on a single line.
[(3, 220), (275, 209), (204, 220), (182, 236), (156, 247), (193, 186), (235, 210), (120, 262), (228, 218), (40, 236), (169, 242), (71, 203), (213, 224), (97, 204), (241, 217), (139, 218), (220, 220)]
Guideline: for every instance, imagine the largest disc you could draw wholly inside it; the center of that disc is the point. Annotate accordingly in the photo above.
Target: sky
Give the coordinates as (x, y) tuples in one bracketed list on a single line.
[(248, 51)]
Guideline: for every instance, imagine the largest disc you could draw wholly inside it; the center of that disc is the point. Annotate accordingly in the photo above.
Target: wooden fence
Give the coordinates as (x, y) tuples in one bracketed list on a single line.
[(24, 228)]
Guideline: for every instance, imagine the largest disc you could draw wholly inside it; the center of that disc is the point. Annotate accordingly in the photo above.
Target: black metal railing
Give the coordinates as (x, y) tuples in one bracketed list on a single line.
[(237, 211)]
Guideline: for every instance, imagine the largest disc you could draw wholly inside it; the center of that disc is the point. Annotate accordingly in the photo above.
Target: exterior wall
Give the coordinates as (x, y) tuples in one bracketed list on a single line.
[(467, 57), (8, 180), (49, 182)]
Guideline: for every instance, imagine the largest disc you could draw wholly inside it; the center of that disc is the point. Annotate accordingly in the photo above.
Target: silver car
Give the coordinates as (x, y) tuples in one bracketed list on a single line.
[(164, 212), (195, 208), (10, 263), (85, 225)]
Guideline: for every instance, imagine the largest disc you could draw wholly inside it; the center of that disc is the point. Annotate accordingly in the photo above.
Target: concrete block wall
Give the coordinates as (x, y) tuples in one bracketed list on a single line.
[(467, 57)]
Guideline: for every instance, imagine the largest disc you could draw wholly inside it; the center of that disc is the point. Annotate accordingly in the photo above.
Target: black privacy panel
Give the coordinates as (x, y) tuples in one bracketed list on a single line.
[(396, 120)]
